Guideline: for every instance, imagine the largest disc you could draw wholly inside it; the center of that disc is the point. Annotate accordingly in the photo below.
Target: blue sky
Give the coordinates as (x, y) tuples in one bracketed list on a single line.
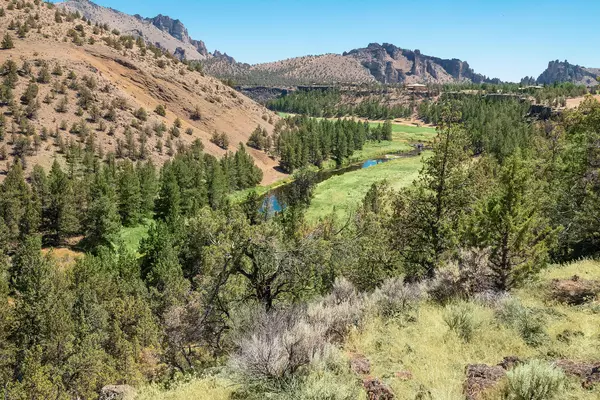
[(506, 39)]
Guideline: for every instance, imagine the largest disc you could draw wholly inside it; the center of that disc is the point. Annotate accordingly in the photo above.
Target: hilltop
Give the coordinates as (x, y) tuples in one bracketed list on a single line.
[(376, 63), (73, 82)]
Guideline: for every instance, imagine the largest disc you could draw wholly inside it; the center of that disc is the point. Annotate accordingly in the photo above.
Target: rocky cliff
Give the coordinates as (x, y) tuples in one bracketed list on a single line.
[(390, 64), (563, 71), (177, 29)]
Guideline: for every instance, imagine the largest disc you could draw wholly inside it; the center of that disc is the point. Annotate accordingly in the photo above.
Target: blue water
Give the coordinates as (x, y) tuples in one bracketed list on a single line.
[(271, 205), (370, 163)]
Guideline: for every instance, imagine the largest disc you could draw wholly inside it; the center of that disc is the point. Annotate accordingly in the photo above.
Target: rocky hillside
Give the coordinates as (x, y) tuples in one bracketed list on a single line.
[(68, 83), (383, 63), (563, 71), (162, 31)]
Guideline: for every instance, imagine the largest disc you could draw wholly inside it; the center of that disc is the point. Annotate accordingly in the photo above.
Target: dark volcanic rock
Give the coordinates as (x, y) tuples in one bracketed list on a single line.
[(377, 390), (360, 365), (574, 291)]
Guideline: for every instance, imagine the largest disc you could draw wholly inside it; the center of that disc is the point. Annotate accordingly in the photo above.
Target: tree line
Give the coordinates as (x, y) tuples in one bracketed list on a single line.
[(302, 141), (329, 103)]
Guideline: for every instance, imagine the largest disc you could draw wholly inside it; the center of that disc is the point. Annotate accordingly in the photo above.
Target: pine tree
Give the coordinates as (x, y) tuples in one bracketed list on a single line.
[(7, 42), (14, 198), (102, 218), (62, 210), (168, 203), (425, 219), (129, 194), (217, 187), (148, 187)]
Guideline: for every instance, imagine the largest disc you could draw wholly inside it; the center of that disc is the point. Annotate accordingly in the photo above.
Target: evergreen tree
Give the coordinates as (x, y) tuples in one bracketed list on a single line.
[(14, 200), (425, 219), (148, 187), (7, 42), (217, 187), (62, 211), (168, 203), (129, 194), (102, 218), (511, 225)]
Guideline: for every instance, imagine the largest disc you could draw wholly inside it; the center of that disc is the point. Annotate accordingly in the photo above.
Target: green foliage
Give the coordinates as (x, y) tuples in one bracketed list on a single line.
[(328, 103), (461, 320), (427, 217), (7, 42), (535, 380), (527, 322), (511, 224)]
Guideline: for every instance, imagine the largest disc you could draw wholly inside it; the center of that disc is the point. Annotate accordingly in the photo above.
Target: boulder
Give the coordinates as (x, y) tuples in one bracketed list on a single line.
[(359, 364), (481, 377), (117, 392), (377, 390), (574, 291)]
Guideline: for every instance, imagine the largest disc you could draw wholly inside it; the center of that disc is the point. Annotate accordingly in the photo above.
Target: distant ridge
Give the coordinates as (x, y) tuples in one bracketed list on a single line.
[(383, 63)]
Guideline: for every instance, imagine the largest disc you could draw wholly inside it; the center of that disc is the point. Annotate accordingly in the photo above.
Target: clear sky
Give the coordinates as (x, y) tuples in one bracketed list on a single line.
[(507, 39)]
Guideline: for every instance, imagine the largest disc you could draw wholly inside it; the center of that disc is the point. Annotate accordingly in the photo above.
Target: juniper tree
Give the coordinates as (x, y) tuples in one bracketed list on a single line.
[(425, 218), (510, 223)]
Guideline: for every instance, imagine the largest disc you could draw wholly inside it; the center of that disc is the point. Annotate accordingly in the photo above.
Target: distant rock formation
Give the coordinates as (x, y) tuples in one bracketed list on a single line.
[(391, 64), (563, 71), (177, 29)]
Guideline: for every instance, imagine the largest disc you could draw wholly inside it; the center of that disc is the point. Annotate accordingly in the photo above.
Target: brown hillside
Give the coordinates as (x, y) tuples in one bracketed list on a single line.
[(97, 78)]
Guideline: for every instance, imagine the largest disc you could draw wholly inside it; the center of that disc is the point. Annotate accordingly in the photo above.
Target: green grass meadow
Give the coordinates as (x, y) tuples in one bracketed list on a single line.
[(341, 194)]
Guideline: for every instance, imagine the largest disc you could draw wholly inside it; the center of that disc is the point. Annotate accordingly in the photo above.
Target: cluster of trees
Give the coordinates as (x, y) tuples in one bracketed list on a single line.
[(328, 103), (301, 141), (493, 125), (93, 199)]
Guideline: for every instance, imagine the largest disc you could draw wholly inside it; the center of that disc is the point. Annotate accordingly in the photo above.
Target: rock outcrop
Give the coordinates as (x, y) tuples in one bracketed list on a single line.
[(177, 29), (563, 71), (391, 64)]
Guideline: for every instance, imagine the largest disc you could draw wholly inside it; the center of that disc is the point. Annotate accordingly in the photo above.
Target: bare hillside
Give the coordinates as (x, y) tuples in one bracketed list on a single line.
[(71, 83)]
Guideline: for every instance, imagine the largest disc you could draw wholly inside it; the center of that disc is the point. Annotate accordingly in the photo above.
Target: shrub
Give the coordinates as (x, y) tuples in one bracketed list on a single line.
[(395, 298), (160, 110), (141, 114), (460, 319), (463, 278), (277, 344), (526, 321), (534, 380)]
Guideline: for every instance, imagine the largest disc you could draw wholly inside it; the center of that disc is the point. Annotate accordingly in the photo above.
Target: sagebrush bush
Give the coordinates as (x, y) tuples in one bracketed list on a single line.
[(396, 298), (277, 344), (460, 318), (528, 322), (463, 278), (534, 380)]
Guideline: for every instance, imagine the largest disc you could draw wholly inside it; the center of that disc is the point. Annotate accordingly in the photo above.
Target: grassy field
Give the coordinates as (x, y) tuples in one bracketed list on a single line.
[(340, 194), (134, 235), (437, 358), (403, 136)]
